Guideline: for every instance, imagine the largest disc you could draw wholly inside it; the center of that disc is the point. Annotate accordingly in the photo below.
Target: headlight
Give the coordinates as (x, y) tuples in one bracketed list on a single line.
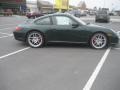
[(113, 31)]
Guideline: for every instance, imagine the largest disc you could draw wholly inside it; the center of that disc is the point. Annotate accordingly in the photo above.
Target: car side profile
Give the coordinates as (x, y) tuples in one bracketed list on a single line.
[(64, 28)]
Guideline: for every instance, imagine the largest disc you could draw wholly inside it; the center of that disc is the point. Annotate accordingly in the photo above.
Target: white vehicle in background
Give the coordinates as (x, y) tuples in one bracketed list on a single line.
[(113, 13)]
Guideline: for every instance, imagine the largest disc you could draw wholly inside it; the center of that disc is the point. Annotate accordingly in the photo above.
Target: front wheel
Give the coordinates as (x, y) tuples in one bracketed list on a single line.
[(98, 41), (35, 39)]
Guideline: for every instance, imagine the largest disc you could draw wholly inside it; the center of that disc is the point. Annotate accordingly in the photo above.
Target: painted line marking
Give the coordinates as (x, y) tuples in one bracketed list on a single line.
[(117, 48), (13, 53), (5, 34), (7, 28), (8, 24), (96, 71)]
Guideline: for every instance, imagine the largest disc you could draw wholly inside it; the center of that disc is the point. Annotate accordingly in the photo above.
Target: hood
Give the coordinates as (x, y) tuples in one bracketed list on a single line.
[(96, 26)]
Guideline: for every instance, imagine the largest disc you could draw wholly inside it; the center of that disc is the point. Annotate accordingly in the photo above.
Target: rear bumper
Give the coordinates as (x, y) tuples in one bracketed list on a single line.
[(19, 36)]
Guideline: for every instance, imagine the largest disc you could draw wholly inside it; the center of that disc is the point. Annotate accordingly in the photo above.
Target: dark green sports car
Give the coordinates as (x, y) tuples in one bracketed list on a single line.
[(64, 28)]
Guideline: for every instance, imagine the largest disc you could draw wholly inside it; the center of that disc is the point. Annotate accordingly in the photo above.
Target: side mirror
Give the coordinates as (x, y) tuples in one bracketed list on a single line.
[(75, 25), (88, 23)]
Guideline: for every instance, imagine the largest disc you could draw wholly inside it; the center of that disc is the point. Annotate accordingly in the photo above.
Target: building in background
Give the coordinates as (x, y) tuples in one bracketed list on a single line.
[(82, 5), (32, 6), (17, 6), (44, 6), (39, 5)]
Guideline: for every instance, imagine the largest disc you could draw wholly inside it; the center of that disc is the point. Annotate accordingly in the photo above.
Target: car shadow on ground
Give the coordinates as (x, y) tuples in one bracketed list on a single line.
[(64, 45), (57, 45), (21, 44)]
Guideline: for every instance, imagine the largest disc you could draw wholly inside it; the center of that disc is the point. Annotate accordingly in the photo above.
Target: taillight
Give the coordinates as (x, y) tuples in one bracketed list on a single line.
[(18, 28)]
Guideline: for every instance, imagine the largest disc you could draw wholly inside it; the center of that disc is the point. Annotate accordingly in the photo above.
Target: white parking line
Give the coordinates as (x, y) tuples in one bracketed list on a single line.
[(115, 20), (5, 34), (117, 48), (8, 25), (13, 53), (7, 28), (96, 71)]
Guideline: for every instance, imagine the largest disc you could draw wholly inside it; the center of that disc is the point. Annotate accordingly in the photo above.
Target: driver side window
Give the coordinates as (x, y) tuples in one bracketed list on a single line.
[(63, 20)]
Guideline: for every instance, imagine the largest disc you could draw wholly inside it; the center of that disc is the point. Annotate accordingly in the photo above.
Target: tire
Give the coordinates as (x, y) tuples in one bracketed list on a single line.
[(99, 41), (35, 39)]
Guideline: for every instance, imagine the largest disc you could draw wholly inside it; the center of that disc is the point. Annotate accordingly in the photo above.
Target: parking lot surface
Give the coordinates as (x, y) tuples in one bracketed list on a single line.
[(56, 67)]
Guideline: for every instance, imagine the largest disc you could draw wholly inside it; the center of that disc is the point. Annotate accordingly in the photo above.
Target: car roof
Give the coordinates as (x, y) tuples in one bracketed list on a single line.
[(55, 14), (59, 14)]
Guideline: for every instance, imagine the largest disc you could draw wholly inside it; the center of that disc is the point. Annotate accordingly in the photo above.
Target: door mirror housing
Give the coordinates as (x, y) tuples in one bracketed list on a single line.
[(88, 23), (75, 25)]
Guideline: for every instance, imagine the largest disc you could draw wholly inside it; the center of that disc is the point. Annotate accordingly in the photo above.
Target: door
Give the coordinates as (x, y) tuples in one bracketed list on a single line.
[(63, 30)]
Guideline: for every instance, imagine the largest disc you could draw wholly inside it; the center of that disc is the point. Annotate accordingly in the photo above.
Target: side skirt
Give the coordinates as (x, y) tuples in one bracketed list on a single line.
[(67, 42)]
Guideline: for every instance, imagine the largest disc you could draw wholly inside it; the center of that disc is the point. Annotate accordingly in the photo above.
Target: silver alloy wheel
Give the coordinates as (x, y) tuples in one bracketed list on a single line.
[(99, 41), (35, 39)]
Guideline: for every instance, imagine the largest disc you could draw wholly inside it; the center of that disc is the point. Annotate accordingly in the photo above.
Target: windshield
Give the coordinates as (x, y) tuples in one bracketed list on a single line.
[(80, 21)]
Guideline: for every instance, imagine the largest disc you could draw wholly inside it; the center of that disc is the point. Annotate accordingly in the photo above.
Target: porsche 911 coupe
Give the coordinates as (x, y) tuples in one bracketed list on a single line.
[(64, 28)]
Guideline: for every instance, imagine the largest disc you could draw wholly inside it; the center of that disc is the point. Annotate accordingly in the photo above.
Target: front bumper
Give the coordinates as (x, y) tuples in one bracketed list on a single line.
[(114, 40)]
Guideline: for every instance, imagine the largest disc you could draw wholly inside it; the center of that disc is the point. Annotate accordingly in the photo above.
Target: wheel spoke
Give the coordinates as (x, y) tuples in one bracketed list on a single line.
[(99, 40), (35, 39)]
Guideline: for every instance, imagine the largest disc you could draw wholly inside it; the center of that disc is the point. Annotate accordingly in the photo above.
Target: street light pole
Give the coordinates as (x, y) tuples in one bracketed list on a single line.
[(67, 5), (104, 4), (53, 5)]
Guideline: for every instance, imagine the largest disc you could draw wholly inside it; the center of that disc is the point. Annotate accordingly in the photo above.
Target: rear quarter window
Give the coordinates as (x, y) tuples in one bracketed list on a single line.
[(43, 21)]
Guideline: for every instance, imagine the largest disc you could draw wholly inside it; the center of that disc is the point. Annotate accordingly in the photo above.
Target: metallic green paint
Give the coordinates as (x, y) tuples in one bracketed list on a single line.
[(53, 33)]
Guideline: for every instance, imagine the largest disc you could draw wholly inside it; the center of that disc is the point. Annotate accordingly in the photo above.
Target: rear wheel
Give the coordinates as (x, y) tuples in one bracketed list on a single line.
[(98, 41), (35, 39)]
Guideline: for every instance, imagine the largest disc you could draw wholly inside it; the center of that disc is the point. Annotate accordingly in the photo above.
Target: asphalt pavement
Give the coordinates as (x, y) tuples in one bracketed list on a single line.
[(56, 67)]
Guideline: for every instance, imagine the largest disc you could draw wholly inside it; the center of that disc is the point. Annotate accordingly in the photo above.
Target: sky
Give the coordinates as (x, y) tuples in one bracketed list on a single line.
[(111, 4)]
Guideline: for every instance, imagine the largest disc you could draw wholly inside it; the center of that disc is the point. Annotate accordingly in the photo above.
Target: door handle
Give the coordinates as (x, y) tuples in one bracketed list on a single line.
[(54, 29)]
